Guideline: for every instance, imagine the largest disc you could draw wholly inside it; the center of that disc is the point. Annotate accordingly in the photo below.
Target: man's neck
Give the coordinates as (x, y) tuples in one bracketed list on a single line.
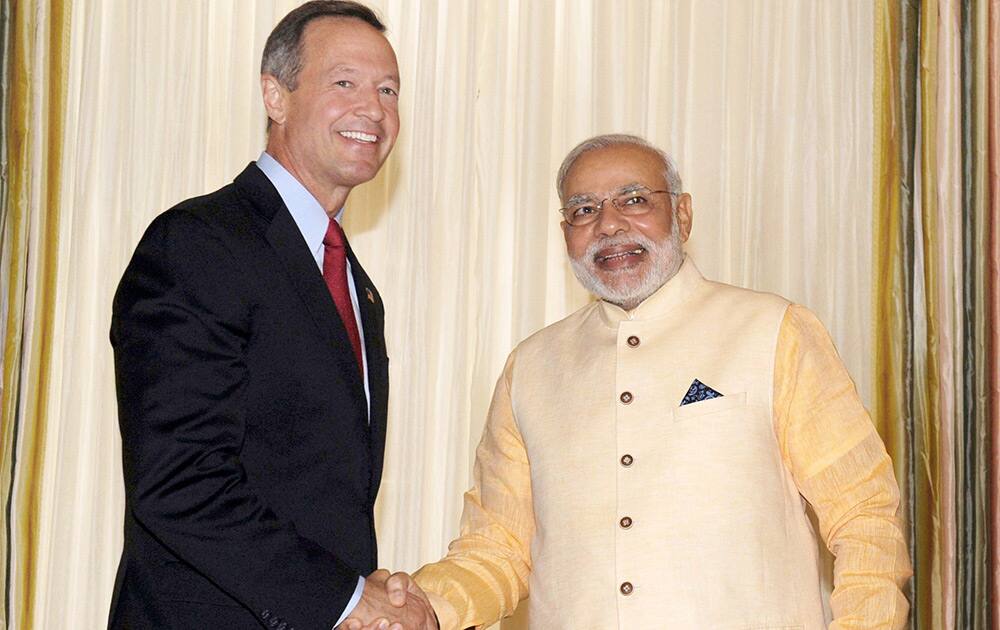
[(331, 199)]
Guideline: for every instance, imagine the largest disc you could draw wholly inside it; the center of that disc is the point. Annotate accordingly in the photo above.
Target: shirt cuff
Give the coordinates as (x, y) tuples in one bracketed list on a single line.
[(353, 602)]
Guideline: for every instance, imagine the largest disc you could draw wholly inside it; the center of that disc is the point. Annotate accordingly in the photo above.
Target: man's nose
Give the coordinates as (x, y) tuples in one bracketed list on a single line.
[(369, 105), (610, 221)]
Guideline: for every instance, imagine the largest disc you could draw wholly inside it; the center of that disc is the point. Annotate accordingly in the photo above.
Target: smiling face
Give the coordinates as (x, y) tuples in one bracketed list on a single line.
[(337, 127), (624, 259)]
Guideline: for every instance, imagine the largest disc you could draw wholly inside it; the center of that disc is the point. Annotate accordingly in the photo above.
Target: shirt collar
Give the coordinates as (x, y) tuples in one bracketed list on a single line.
[(307, 213), (663, 301)]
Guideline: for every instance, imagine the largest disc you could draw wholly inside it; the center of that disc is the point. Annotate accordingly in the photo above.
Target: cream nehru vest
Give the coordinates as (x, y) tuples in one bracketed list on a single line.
[(650, 514)]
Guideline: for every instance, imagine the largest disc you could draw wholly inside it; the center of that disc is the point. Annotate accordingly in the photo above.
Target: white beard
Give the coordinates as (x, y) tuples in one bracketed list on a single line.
[(665, 260)]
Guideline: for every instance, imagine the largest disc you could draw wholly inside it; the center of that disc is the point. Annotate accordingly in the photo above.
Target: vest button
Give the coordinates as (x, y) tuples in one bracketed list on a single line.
[(626, 397), (627, 460), (632, 341), (626, 588), (625, 522)]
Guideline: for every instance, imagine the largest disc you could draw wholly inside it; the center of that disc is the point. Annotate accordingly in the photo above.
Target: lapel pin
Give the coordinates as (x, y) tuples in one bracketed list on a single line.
[(368, 292)]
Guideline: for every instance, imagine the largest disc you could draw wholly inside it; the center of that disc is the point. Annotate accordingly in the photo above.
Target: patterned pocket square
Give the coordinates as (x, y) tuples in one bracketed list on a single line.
[(698, 392)]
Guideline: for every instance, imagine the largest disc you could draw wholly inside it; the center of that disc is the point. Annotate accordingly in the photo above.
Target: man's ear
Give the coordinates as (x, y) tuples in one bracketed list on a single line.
[(275, 98), (684, 216)]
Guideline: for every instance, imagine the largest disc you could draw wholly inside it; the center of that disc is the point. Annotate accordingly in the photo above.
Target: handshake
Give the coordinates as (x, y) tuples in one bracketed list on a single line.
[(391, 602)]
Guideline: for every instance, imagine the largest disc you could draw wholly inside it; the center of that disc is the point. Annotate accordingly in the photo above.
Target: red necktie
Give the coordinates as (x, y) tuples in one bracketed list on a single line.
[(335, 276)]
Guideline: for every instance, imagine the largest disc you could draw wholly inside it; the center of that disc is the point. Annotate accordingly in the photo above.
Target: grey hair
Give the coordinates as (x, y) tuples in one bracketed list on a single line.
[(282, 56), (670, 174)]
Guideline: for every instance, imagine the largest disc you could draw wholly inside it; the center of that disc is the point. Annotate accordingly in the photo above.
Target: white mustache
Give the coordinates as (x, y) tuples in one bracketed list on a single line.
[(614, 241)]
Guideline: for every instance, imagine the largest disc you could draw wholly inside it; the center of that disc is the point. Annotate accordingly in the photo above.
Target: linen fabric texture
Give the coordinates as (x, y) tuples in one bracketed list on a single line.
[(641, 514)]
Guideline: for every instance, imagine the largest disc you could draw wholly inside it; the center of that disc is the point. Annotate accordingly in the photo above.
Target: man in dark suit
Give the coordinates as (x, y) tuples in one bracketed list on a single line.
[(251, 367)]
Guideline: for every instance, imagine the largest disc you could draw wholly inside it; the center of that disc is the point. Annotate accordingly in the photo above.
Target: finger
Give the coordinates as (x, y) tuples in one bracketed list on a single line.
[(379, 575), (396, 588), (351, 624)]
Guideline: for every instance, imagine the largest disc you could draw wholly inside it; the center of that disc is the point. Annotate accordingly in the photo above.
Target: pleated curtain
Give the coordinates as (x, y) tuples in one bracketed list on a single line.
[(35, 59), (936, 352), (841, 153)]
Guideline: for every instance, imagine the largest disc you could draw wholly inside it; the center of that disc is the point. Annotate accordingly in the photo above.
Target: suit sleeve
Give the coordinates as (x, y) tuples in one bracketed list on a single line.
[(841, 467), (181, 324), (485, 573)]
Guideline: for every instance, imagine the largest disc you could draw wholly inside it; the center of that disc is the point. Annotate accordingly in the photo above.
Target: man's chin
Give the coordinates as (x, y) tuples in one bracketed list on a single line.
[(621, 281), (624, 287), (357, 175)]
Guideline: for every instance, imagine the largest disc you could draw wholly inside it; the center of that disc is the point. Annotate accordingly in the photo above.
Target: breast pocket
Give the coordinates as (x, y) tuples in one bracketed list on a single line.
[(718, 405)]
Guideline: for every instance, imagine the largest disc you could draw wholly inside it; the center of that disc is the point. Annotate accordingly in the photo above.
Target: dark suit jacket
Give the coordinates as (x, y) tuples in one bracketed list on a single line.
[(250, 466)]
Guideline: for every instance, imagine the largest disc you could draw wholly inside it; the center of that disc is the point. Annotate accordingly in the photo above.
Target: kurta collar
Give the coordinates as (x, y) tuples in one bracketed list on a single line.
[(664, 301)]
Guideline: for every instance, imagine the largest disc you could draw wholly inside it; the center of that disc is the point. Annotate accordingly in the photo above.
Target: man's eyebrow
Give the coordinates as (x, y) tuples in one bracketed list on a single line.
[(580, 198), (343, 67), (627, 188)]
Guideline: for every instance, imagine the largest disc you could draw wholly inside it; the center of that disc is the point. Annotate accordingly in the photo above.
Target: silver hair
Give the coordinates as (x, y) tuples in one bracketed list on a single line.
[(282, 56), (670, 173)]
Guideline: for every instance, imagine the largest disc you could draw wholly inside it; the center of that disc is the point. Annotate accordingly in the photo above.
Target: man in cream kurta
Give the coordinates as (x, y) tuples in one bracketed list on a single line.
[(647, 461)]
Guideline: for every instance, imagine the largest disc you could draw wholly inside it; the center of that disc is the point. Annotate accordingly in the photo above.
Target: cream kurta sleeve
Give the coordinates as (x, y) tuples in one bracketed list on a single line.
[(485, 573), (840, 466)]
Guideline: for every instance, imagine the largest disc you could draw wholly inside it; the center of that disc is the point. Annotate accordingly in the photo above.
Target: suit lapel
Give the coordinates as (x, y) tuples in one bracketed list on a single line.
[(303, 274), (373, 321)]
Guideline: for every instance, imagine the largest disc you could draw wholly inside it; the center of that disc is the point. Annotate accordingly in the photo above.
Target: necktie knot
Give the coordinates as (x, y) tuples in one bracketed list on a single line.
[(334, 235)]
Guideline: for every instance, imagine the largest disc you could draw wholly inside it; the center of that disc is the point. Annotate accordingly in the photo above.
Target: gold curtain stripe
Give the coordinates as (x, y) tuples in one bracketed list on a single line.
[(929, 586), (39, 63), (891, 309), (13, 262), (14, 244), (890, 329)]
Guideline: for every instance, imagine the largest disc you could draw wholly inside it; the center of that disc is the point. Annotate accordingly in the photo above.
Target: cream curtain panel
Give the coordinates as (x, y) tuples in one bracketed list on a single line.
[(765, 104)]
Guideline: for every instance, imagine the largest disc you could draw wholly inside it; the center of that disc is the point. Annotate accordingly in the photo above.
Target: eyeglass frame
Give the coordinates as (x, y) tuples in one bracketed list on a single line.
[(600, 206)]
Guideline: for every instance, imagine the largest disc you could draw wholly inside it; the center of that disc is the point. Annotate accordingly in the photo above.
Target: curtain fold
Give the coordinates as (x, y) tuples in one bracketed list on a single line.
[(6, 429), (935, 313), (895, 116), (36, 83), (992, 271), (972, 580), (766, 105)]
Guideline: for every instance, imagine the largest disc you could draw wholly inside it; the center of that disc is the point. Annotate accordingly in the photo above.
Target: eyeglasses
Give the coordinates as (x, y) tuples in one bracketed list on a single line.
[(631, 203)]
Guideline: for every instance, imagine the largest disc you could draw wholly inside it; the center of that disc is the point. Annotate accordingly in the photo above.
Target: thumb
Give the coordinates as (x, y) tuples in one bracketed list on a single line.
[(396, 588)]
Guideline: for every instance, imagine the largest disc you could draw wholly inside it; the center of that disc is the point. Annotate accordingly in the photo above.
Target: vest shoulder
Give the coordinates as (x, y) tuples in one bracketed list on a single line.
[(743, 297), (568, 326)]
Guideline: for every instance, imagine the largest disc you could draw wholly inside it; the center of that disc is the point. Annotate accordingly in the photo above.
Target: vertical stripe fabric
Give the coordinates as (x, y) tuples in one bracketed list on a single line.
[(893, 241), (38, 46), (972, 580), (6, 433), (992, 228), (936, 296)]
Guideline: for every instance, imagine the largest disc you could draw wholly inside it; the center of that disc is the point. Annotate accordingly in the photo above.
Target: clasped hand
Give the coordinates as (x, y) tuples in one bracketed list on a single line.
[(391, 602)]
